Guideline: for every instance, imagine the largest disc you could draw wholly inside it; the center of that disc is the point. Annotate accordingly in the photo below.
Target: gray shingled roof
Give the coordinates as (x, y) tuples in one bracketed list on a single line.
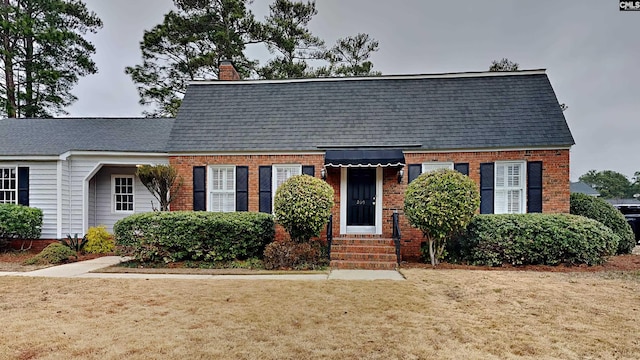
[(580, 187), (459, 111), (56, 136)]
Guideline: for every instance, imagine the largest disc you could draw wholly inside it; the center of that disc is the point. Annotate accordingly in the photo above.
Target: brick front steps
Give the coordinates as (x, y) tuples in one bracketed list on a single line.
[(363, 253)]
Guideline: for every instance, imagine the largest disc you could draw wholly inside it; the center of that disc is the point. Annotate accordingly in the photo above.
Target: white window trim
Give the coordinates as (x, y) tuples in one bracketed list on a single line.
[(113, 193), (522, 187), (439, 164), (15, 190), (274, 179), (210, 185)]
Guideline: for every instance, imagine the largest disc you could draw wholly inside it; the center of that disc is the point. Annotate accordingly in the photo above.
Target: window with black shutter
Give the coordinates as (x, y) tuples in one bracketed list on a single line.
[(486, 188), (264, 189), (199, 188), (242, 188), (534, 186)]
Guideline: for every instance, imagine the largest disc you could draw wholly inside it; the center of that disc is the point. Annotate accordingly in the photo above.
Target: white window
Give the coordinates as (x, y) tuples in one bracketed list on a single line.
[(509, 188), (431, 166), (8, 186), (281, 173), (222, 185), (122, 186)]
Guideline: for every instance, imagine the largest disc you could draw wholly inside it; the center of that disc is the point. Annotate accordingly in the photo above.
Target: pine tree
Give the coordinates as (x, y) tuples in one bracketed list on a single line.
[(43, 53), (188, 45), (350, 56), (287, 35)]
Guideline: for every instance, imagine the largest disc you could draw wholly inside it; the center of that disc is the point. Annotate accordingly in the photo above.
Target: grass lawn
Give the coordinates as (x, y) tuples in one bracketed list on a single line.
[(443, 314)]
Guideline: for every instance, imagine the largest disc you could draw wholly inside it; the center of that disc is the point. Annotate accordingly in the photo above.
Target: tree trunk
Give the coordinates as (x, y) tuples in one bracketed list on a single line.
[(30, 106), (432, 253), (11, 105)]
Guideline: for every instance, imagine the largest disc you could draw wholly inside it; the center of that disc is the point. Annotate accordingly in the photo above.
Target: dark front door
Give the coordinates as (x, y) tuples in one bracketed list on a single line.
[(361, 196)]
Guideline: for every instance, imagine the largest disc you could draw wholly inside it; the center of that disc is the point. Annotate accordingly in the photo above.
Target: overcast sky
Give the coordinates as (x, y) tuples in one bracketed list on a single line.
[(590, 49)]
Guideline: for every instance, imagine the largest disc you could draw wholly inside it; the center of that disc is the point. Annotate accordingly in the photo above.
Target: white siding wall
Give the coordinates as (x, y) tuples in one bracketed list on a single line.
[(42, 192), (103, 212), (80, 169), (66, 198), (92, 199)]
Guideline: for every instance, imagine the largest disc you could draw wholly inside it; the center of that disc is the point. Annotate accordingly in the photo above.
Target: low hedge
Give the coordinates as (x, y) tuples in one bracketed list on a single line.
[(536, 239), (600, 210), (186, 235), (19, 222)]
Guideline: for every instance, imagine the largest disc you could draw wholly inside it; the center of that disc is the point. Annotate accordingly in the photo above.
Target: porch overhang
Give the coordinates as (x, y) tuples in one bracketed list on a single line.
[(364, 158)]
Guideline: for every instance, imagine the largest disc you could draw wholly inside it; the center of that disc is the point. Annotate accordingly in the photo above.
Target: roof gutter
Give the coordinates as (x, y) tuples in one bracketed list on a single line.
[(384, 77)]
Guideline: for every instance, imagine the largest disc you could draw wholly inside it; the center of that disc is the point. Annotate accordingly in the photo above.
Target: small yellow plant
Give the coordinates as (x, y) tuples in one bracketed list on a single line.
[(99, 240)]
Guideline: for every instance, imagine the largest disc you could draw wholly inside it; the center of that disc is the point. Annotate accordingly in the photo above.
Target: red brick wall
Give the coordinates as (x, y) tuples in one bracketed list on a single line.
[(185, 164), (555, 182), (34, 246)]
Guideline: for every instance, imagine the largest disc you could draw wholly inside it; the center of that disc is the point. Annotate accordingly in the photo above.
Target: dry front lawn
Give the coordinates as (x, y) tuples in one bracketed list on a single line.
[(435, 314)]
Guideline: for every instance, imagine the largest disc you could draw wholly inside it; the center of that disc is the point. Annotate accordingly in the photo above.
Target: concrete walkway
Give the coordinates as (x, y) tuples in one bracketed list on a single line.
[(83, 269)]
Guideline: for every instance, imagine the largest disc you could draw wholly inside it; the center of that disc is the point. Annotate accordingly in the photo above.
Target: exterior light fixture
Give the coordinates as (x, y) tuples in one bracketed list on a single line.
[(400, 175), (323, 174)]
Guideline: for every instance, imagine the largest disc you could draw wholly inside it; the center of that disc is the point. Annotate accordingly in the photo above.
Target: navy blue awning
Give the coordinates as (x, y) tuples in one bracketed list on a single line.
[(364, 158)]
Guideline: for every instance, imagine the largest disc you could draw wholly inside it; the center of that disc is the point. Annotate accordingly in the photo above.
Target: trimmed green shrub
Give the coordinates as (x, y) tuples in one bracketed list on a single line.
[(19, 222), (187, 235), (99, 241), (302, 206), (441, 204), (54, 253), (288, 254), (600, 210), (536, 239)]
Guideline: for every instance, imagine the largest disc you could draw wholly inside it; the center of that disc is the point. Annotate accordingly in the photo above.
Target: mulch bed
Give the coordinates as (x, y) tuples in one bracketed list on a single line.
[(615, 263)]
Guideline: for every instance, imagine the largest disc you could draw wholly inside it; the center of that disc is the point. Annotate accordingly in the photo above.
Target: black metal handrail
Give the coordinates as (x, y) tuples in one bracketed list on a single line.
[(329, 235), (396, 234)]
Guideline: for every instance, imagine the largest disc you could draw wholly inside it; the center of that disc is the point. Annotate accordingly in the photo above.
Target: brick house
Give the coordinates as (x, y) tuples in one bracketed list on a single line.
[(234, 142)]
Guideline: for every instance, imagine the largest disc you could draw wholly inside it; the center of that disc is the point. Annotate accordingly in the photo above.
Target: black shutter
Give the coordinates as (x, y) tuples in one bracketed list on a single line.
[(265, 189), (242, 188), (534, 187), (199, 188), (486, 188), (309, 170), (462, 168), (414, 172), (23, 186)]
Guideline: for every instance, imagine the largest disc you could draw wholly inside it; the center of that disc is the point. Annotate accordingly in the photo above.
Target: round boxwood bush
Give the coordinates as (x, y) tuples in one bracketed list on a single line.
[(440, 203), (600, 210), (302, 206), (536, 239), (54, 253)]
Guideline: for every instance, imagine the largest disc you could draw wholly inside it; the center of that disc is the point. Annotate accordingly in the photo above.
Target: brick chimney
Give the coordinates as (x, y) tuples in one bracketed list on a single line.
[(227, 71)]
